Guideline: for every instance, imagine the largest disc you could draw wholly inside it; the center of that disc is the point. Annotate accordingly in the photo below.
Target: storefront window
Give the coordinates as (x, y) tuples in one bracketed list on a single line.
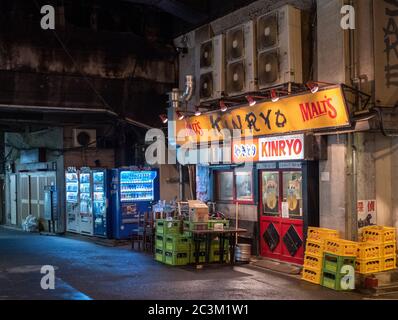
[(225, 190), (270, 189), (292, 192), (244, 186)]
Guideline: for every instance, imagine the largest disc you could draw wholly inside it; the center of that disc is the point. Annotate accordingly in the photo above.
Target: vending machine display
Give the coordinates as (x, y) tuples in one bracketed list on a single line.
[(133, 191), (72, 200), (101, 214), (86, 215)]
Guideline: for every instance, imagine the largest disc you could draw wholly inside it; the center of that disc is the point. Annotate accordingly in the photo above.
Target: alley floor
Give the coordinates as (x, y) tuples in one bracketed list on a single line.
[(85, 270)]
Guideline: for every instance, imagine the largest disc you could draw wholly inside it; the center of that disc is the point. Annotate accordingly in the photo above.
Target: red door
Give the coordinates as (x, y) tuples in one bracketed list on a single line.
[(281, 215)]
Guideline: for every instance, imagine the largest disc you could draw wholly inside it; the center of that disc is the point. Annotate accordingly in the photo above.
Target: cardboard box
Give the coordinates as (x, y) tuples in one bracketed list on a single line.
[(198, 211)]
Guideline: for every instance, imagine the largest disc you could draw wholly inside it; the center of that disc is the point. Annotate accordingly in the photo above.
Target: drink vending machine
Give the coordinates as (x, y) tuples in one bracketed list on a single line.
[(101, 209), (86, 224), (133, 191), (72, 200)]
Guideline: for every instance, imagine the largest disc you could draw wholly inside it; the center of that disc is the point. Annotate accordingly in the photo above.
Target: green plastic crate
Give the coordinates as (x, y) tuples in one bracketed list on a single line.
[(159, 226), (211, 223), (176, 258), (215, 256), (177, 243), (171, 227), (333, 263), (159, 255), (159, 241), (332, 281), (197, 225)]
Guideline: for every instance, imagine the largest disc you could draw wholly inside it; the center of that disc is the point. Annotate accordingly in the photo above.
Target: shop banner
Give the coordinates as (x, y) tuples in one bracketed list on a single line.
[(269, 149), (386, 51), (366, 213), (298, 113)]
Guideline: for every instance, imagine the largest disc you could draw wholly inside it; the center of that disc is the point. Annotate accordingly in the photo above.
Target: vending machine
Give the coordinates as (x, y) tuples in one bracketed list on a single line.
[(101, 208), (72, 200), (133, 191), (86, 225)]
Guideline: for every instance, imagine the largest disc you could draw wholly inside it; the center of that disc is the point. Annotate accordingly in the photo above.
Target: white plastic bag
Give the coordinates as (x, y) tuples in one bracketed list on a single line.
[(30, 224)]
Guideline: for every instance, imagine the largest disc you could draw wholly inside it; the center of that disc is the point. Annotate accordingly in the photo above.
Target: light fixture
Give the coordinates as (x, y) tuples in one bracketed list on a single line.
[(274, 96), (251, 101), (163, 117), (223, 106), (180, 115), (197, 112), (313, 86)]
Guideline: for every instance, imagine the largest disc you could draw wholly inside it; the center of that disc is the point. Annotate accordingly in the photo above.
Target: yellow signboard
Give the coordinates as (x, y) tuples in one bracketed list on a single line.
[(305, 112)]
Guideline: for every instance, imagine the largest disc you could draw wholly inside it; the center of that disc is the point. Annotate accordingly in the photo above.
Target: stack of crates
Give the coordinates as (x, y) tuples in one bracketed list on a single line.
[(215, 251), (211, 223), (377, 251), (313, 260), (171, 247), (338, 253)]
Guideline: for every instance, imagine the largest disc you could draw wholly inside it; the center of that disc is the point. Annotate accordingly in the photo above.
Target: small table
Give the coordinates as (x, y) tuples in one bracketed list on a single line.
[(208, 235)]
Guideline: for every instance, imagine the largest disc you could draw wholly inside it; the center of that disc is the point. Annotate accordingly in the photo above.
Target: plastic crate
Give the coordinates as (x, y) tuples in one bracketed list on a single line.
[(159, 255), (389, 248), (159, 241), (202, 257), (333, 263), (171, 227), (389, 263), (159, 226), (314, 248), (367, 250), (176, 258), (341, 247), (176, 242), (215, 256), (312, 275), (313, 262), (210, 223), (197, 226), (321, 233), (368, 266), (378, 234), (332, 280)]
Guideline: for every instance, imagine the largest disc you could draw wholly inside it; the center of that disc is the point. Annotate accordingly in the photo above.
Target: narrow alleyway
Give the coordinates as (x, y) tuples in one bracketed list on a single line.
[(85, 270)]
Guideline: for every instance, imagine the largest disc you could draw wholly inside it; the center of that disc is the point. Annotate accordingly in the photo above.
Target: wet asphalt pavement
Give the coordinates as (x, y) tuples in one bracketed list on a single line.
[(85, 270)]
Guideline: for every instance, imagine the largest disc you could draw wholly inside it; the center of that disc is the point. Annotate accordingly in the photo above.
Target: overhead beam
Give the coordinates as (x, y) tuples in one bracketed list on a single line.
[(176, 9)]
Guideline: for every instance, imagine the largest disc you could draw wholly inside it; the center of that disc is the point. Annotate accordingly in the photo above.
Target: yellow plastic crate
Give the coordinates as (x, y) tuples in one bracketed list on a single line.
[(368, 266), (321, 233), (389, 263), (389, 248), (343, 248), (368, 250), (313, 262), (312, 275), (378, 234), (315, 248)]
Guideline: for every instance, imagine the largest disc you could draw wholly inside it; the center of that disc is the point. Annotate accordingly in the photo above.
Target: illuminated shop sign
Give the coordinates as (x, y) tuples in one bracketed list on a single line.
[(269, 149)]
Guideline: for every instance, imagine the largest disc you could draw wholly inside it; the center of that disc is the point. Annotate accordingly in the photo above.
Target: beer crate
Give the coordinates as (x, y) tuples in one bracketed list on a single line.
[(215, 256), (175, 242), (389, 263), (333, 263), (389, 248), (314, 248), (367, 266), (321, 233), (312, 275), (368, 250), (202, 257), (211, 223), (341, 247), (378, 234), (312, 261), (159, 255), (176, 258), (159, 241), (333, 280)]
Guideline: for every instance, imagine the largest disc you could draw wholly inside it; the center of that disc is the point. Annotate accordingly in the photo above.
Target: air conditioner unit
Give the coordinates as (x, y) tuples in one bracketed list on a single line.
[(84, 138), (240, 57), (279, 56), (211, 69)]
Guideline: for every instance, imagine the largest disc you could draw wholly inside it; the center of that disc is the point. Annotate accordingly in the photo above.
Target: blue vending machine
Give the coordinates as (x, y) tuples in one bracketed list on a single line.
[(133, 191), (101, 208)]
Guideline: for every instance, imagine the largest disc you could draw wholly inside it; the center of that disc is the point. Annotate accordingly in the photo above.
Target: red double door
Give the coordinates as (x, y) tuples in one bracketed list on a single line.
[(281, 215)]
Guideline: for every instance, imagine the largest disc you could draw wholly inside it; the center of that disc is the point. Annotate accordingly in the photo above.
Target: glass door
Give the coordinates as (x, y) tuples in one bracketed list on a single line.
[(281, 212)]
